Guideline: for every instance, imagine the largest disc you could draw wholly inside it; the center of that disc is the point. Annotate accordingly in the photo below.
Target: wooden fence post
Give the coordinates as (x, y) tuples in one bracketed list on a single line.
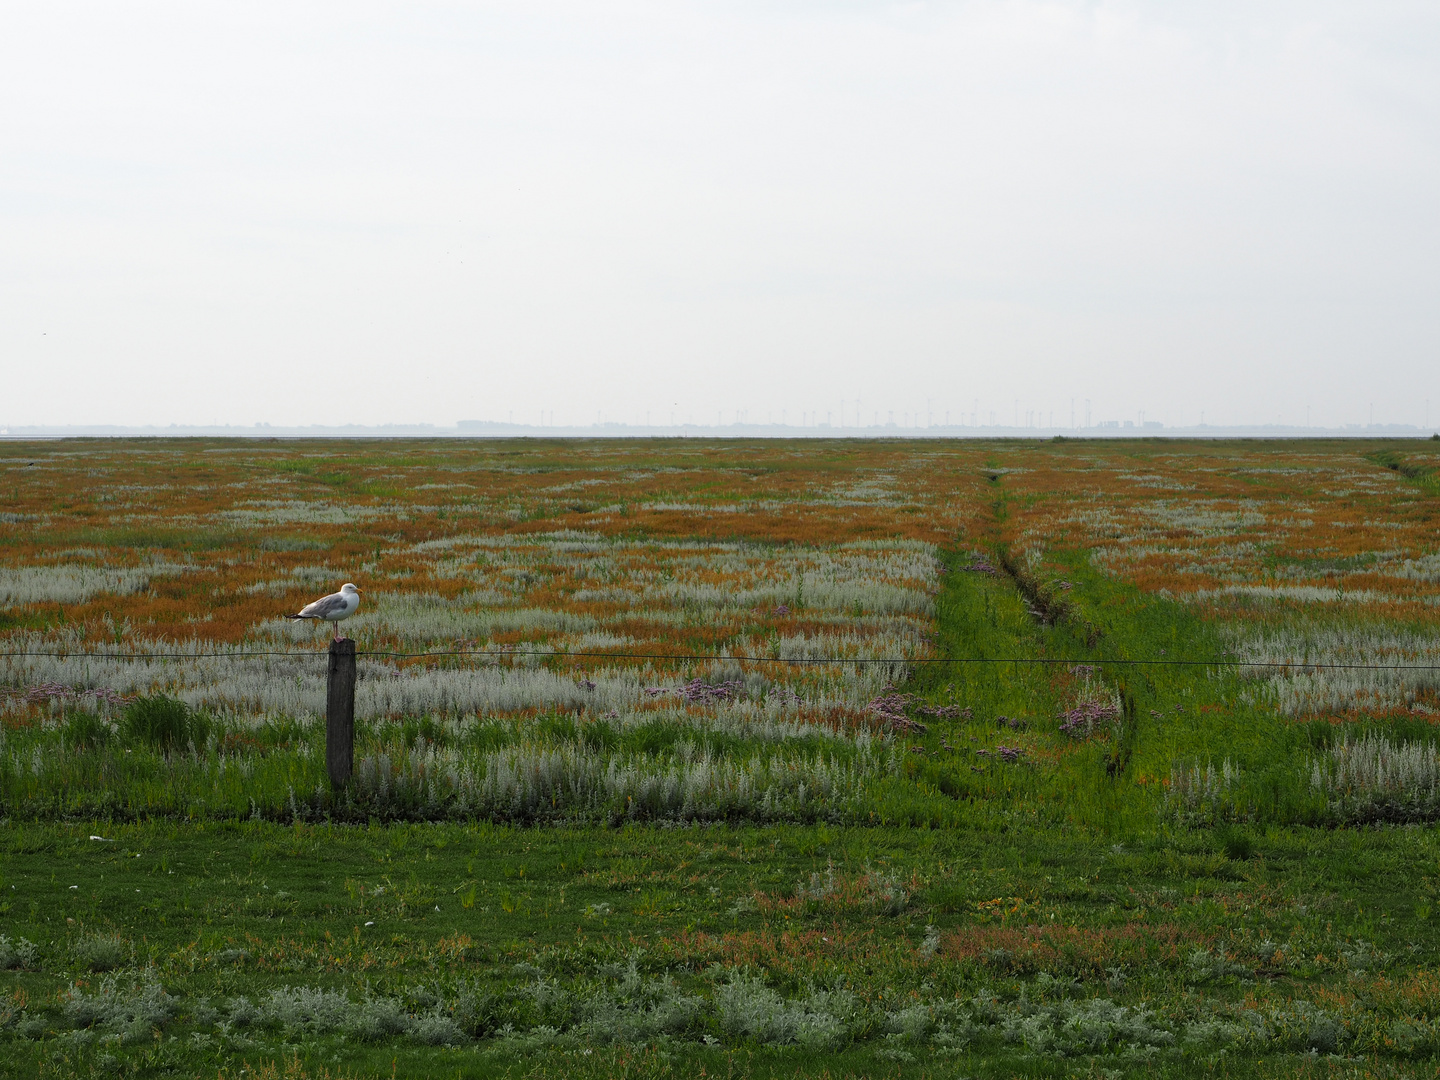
[(340, 712)]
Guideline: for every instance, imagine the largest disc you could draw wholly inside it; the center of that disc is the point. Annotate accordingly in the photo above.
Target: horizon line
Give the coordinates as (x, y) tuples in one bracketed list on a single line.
[(617, 429)]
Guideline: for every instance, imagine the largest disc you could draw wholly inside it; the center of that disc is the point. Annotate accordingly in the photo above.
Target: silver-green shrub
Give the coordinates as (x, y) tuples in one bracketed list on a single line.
[(1066, 1028), (18, 954), (547, 781), (1376, 779), (1200, 794), (635, 1009), (822, 1020), (133, 1010), (102, 952)]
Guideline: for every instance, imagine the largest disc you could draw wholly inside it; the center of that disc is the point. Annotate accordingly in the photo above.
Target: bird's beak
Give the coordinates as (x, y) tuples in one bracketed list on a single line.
[(358, 589)]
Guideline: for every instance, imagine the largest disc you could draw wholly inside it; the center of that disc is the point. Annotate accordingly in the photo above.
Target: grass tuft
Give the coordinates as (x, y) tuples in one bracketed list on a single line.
[(165, 723)]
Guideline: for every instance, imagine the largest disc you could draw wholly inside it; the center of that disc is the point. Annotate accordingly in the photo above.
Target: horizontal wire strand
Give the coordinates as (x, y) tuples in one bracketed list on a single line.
[(692, 657)]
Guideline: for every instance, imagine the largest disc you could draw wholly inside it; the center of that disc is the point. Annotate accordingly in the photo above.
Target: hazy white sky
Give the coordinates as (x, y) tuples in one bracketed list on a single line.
[(365, 212)]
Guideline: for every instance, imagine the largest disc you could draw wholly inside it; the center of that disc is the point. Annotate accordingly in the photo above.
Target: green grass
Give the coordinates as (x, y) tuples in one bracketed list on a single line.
[(1422, 474), (216, 912)]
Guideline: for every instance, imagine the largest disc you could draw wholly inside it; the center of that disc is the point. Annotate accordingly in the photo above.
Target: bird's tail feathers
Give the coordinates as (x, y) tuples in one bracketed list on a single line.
[(295, 616)]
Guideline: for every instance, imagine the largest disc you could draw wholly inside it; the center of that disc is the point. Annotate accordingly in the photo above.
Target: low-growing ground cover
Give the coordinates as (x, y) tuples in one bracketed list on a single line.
[(1055, 832), (927, 952), (469, 947)]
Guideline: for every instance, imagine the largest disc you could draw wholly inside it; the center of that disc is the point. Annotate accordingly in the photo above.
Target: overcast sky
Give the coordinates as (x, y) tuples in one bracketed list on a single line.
[(424, 212)]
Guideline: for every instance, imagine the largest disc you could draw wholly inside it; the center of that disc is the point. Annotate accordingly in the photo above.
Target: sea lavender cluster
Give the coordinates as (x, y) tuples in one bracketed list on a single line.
[(44, 693), (699, 692), (1009, 754), (945, 712), (890, 707), (1081, 721)]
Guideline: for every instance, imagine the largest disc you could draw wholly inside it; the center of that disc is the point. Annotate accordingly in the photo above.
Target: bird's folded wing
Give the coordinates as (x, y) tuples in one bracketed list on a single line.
[(324, 607)]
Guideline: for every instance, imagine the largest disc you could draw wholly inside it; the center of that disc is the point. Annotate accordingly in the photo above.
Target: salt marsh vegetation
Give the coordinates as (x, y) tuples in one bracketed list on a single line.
[(548, 583), (474, 620), (1326, 668), (1375, 778), (629, 781), (75, 583)]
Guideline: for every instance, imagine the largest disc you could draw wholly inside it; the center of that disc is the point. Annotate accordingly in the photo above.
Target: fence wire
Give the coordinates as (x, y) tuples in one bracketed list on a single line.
[(1088, 661)]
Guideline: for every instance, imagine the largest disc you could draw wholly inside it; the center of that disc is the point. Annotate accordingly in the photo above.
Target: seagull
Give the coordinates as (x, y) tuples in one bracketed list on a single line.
[(332, 608)]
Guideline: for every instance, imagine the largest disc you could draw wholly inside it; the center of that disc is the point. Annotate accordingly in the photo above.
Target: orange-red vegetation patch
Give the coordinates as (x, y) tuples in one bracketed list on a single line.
[(1056, 946)]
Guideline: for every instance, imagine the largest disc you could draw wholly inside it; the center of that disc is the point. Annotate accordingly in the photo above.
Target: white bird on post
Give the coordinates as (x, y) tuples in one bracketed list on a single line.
[(332, 608)]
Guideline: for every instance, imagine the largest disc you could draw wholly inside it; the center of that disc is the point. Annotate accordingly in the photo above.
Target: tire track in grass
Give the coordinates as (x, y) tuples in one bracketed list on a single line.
[(991, 741), (1111, 771)]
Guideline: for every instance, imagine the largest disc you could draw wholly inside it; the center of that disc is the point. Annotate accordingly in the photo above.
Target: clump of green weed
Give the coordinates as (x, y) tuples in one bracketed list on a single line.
[(11, 1014), (18, 954), (103, 952), (165, 723), (1204, 966), (87, 731), (1236, 843), (891, 894)]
